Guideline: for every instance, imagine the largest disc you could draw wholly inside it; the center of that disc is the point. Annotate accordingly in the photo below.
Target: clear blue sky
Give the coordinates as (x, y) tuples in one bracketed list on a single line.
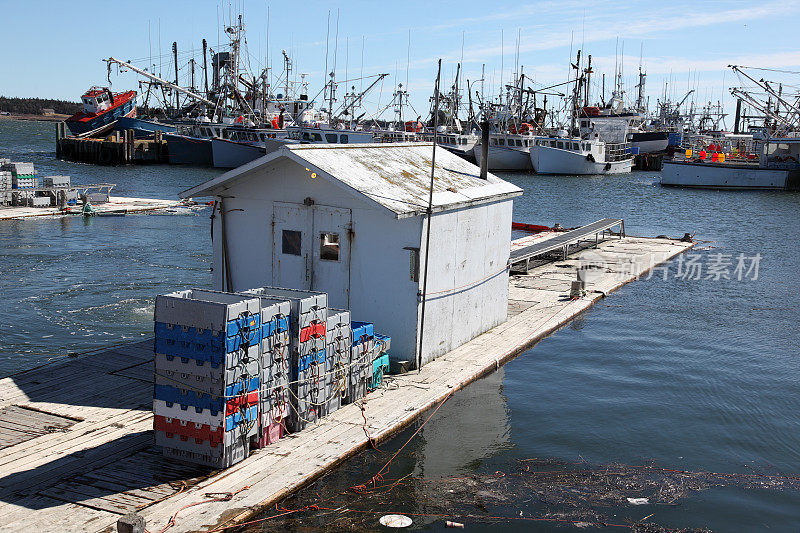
[(55, 48)]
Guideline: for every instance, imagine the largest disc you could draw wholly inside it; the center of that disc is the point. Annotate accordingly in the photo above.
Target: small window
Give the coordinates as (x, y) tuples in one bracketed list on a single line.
[(575, 146), (330, 137), (560, 144), (494, 141), (343, 139), (317, 137), (519, 143), (329, 246), (502, 142), (291, 242)]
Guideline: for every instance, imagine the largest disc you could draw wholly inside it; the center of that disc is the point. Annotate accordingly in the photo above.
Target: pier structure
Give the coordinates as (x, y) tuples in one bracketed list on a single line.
[(116, 205), (77, 441), (119, 148)]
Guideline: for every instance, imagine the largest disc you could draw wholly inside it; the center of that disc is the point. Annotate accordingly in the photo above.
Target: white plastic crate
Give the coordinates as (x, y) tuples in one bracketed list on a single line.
[(203, 309)]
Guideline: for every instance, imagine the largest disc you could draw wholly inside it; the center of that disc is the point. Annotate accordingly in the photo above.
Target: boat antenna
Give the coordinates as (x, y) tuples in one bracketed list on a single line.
[(428, 214), (327, 48)]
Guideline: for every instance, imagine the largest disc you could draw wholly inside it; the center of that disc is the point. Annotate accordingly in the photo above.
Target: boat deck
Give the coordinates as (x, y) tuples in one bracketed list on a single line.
[(76, 434)]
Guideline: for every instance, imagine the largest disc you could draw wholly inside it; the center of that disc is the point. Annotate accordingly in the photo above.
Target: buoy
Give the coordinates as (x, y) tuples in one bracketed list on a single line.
[(395, 520)]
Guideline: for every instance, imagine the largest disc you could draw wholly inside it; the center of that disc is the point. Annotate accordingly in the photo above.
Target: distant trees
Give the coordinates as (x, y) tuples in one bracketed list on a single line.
[(34, 106)]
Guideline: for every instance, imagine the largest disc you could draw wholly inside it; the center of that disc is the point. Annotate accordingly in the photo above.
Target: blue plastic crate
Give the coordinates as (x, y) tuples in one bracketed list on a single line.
[(361, 331), (213, 351), (250, 415), (306, 361), (276, 325), (383, 342), (199, 400)]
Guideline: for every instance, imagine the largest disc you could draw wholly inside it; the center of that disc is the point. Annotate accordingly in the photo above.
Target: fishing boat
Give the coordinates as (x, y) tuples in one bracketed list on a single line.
[(101, 109), (507, 151), (577, 156), (239, 146), (736, 162)]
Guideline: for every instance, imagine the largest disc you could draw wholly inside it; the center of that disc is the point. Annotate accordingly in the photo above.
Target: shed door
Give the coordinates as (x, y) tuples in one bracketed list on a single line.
[(291, 246), (331, 254)]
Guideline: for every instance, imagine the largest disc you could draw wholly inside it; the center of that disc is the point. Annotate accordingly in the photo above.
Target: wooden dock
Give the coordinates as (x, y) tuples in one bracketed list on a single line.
[(76, 439), (116, 205), (118, 148)]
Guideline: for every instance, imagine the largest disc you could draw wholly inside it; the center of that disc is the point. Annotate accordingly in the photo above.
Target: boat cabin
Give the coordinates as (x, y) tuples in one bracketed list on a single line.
[(97, 100)]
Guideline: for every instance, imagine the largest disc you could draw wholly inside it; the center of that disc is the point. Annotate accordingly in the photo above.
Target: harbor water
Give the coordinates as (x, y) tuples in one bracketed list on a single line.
[(691, 372)]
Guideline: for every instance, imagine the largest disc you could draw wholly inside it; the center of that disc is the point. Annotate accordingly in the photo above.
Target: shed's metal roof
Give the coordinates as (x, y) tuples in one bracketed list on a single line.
[(395, 176)]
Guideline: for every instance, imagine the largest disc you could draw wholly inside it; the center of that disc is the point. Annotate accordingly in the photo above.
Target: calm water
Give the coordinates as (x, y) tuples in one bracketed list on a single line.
[(691, 374)]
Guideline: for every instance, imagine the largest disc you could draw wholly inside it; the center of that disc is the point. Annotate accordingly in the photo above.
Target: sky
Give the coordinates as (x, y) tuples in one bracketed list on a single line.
[(55, 48)]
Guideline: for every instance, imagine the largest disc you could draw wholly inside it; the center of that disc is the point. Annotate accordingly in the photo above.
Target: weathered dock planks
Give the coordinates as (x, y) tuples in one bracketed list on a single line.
[(96, 462)]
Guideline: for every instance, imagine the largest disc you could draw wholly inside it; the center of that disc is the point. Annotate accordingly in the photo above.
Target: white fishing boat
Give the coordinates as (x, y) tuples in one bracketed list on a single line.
[(507, 152), (576, 156), (732, 163)]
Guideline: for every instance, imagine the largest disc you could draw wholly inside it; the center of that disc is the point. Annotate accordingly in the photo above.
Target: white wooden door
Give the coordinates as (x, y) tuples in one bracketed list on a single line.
[(330, 270), (292, 244)]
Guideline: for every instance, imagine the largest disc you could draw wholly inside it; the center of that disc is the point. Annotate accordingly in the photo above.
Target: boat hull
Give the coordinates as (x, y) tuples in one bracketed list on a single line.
[(142, 127), (185, 150), (727, 176), (505, 159), (547, 160), (232, 154), (102, 121), (649, 142)]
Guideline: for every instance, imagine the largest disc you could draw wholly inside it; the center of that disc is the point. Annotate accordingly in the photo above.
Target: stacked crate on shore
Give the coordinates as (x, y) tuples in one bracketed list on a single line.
[(23, 176), (5, 186), (307, 324), (380, 361), (207, 366), (338, 342), (361, 358), (275, 356)]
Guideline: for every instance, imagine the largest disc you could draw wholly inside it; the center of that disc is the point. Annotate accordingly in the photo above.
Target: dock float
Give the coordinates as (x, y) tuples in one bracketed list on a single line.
[(77, 442), (116, 205)]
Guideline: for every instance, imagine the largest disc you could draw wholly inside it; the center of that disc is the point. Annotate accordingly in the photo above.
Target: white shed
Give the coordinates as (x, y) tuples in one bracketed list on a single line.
[(350, 221)]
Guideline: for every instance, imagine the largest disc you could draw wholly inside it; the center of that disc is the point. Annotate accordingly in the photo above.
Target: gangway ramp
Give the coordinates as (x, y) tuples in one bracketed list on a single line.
[(521, 257)]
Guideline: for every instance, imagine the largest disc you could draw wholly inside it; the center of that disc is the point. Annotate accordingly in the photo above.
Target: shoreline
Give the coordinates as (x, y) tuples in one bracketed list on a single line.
[(35, 118)]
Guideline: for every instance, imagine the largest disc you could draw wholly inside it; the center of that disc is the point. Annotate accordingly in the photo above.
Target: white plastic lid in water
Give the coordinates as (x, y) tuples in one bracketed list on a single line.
[(395, 520)]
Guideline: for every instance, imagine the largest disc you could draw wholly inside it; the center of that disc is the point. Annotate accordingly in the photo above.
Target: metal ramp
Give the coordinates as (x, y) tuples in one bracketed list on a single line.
[(521, 257)]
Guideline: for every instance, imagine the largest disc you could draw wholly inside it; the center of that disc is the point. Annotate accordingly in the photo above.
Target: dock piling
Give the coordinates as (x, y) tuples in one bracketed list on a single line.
[(131, 523)]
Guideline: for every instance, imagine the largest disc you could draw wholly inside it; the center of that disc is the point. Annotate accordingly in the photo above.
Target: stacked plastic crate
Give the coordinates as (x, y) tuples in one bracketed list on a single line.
[(23, 176), (338, 342), (380, 361), (207, 349), (307, 323), (5, 182), (275, 355), (361, 357)]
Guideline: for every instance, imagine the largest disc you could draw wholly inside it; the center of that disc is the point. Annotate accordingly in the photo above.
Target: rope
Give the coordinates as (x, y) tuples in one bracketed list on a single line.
[(212, 497)]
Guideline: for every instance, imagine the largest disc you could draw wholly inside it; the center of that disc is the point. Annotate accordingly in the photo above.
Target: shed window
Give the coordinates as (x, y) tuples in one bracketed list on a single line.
[(329, 246), (291, 242)]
